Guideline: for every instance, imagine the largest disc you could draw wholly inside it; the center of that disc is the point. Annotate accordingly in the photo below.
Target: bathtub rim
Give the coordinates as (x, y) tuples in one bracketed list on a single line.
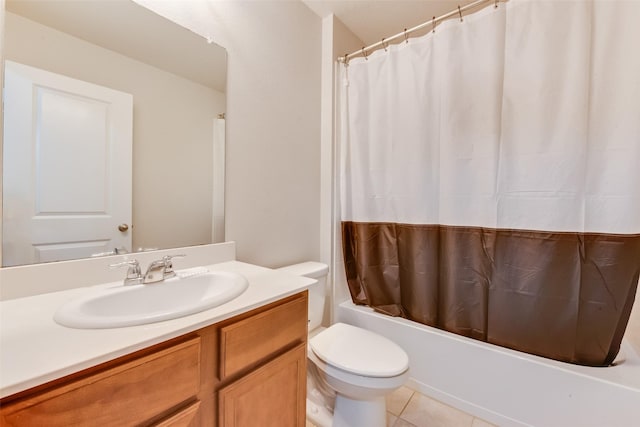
[(566, 399)]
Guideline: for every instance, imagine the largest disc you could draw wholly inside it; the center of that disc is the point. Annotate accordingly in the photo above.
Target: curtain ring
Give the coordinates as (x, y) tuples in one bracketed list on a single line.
[(433, 24), (384, 45), (406, 38), (495, 6), (364, 53), (460, 13)]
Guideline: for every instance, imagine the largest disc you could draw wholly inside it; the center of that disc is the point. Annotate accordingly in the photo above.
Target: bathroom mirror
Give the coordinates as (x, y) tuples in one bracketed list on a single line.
[(176, 82)]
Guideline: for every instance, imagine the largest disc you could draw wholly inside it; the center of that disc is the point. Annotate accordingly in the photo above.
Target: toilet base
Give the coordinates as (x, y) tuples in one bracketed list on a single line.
[(319, 415), (357, 413)]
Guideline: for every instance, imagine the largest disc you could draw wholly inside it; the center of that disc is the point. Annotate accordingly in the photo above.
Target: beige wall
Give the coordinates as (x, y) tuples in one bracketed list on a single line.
[(172, 148), (274, 125), (273, 122)]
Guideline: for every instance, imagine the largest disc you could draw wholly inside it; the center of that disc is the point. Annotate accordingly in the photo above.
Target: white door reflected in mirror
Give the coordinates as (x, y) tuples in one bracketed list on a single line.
[(67, 167)]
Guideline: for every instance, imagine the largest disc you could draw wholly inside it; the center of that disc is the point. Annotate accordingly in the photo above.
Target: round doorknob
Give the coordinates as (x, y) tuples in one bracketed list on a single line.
[(123, 227)]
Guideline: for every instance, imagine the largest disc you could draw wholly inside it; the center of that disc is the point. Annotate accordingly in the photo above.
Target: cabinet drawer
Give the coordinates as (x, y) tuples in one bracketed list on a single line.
[(124, 395), (262, 335)]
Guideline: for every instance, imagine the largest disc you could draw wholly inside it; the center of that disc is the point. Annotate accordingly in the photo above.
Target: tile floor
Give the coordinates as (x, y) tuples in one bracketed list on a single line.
[(408, 408)]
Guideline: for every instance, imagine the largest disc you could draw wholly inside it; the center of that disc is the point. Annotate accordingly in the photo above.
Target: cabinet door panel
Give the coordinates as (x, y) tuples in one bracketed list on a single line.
[(272, 396)]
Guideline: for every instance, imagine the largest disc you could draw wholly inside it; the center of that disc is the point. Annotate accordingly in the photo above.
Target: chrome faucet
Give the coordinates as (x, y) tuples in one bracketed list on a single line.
[(134, 275), (160, 270), (157, 271)]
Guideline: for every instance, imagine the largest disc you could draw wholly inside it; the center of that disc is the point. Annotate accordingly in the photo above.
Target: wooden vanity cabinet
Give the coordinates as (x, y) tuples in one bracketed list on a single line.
[(249, 370)]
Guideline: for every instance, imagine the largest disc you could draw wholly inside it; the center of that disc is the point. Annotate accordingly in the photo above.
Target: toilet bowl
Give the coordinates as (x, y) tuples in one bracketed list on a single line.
[(350, 369), (362, 367)]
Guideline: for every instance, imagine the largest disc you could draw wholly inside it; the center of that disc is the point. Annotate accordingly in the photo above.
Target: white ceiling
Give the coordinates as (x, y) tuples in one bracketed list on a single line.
[(372, 20)]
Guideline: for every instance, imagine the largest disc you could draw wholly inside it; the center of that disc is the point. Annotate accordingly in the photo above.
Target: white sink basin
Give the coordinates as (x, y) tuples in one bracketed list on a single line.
[(140, 304)]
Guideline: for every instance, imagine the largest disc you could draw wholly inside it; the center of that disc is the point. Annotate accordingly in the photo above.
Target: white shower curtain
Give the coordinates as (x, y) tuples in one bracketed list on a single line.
[(495, 164)]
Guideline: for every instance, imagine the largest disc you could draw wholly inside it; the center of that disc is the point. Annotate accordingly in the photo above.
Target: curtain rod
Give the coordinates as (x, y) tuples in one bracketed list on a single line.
[(385, 42)]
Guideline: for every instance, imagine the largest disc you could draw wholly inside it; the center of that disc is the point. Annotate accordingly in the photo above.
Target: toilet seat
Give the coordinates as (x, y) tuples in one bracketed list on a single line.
[(357, 386), (358, 351)]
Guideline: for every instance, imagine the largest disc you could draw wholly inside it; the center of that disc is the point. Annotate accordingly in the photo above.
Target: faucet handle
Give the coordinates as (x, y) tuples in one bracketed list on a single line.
[(168, 264), (134, 274)]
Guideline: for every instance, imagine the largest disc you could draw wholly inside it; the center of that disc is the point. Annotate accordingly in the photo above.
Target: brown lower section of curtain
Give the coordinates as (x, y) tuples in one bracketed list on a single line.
[(565, 296)]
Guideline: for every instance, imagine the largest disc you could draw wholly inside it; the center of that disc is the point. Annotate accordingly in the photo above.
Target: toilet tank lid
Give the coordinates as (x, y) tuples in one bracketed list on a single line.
[(359, 351), (312, 269)]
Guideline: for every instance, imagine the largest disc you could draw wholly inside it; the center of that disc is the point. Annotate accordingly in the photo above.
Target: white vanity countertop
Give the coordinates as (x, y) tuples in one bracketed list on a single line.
[(34, 349)]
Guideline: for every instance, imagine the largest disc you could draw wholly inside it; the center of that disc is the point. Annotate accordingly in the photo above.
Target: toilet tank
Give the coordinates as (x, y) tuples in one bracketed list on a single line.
[(317, 291)]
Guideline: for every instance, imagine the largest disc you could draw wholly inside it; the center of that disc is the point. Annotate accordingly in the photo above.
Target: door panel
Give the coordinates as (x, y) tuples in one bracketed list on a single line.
[(63, 154)]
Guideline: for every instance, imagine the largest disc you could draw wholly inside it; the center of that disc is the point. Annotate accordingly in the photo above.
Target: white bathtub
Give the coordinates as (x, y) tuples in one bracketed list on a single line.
[(507, 387)]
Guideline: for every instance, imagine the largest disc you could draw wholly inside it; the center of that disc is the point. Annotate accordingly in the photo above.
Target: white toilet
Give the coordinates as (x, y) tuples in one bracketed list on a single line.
[(350, 370)]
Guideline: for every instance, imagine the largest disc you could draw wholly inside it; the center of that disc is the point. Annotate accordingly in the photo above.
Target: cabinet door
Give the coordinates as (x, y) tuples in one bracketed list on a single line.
[(272, 396)]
